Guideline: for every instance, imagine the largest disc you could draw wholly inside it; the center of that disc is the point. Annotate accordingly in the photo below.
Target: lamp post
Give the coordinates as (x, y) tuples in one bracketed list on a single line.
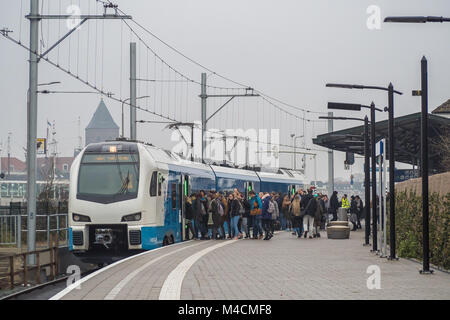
[(123, 102), (366, 170), (357, 107), (424, 135), (391, 140)]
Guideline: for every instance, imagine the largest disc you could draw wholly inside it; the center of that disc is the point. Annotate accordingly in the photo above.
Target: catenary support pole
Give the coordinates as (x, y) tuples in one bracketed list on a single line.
[(330, 160), (203, 97), (367, 180), (32, 130), (133, 90), (391, 140), (424, 166), (374, 178), (384, 202), (380, 207)]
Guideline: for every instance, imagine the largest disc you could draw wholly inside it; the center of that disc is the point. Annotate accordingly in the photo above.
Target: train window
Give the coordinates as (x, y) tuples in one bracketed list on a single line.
[(154, 184), (174, 195)]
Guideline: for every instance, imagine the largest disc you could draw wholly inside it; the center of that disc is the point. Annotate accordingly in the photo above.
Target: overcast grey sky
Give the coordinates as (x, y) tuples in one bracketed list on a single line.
[(288, 49)]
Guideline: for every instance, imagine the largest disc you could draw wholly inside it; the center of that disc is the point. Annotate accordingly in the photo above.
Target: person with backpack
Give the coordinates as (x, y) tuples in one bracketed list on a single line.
[(245, 216), (217, 212), (255, 213), (201, 215), (309, 213), (276, 213), (267, 209), (295, 212)]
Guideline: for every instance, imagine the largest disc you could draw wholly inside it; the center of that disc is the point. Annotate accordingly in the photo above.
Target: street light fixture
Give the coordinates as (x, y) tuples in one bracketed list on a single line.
[(390, 109), (416, 19)]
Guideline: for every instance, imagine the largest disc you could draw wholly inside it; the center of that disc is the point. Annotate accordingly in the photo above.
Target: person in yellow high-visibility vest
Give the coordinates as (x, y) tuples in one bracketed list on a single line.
[(345, 203)]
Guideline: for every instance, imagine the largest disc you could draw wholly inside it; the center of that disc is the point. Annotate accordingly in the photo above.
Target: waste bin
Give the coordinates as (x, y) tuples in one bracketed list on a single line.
[(342, 214)]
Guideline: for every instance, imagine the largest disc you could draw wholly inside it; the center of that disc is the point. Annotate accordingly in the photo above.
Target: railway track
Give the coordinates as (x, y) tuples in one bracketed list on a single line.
[(45, 290)]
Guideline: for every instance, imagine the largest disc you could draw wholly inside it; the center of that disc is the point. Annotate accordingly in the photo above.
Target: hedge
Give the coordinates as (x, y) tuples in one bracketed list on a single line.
[(408, 223)]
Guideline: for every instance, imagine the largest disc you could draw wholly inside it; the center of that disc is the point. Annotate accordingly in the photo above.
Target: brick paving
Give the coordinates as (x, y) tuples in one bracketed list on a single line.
[(283, 268)]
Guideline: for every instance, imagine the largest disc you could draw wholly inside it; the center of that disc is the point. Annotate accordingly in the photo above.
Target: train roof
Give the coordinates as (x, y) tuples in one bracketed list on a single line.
[(234, 173), (175, 162)]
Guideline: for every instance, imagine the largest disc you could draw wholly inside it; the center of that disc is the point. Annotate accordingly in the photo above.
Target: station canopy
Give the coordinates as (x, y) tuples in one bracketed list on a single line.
[(407, 139)]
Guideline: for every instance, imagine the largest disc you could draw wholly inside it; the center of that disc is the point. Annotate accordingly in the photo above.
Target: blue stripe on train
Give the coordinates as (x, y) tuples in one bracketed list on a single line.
[(70, 240)]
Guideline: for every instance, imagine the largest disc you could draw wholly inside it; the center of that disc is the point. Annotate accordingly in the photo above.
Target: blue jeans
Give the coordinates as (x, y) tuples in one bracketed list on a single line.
[(234, 225), (257, 226)]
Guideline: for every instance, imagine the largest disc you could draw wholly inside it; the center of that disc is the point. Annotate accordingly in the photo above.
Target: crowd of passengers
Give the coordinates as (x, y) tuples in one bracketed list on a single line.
[(304, 213)]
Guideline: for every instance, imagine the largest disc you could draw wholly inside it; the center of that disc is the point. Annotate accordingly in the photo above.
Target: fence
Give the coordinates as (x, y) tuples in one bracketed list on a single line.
[(13, 229), (17, 266)]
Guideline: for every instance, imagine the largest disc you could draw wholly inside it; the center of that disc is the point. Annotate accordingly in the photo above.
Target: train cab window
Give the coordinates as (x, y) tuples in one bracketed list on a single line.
[(154, 184), (159, 184)]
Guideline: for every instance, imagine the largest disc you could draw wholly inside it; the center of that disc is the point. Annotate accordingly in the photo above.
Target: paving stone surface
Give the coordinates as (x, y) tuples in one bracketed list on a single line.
[(285, 267)]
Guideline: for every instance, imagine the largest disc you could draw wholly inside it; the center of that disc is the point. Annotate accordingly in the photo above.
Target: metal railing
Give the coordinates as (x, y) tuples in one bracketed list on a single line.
[(13, 229), (18, 266)]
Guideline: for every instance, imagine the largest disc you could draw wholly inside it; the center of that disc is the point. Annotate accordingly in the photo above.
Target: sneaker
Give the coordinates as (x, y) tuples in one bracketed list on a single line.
[(306, 232), (318, 235), (260, 237), (310, 237)]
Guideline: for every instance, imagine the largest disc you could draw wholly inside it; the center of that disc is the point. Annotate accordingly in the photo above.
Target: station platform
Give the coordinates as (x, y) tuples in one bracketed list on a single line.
[(285, 267)]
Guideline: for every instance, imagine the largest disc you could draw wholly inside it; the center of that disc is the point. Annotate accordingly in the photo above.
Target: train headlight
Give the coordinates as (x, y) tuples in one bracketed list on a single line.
[(132, 217), (80, 218)]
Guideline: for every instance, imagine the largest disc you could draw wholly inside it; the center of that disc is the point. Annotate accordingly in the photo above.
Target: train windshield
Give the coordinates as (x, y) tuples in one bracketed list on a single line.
[(109, 177)]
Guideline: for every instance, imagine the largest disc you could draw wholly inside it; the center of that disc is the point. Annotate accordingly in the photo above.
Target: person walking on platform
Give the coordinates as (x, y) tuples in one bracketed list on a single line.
[(310, 211), (334, 205), (295, 212)]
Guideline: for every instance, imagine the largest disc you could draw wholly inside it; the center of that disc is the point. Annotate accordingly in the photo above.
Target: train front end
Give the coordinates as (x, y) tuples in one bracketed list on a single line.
[(105, 210)]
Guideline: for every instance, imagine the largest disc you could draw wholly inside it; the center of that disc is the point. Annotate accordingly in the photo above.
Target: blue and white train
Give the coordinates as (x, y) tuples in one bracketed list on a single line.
[(129, 195)]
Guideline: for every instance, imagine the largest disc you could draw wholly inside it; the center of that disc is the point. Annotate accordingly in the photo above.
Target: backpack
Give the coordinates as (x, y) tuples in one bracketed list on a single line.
[(276, 212), (271, 208), (220, 210), (256, 211), (241, 208)]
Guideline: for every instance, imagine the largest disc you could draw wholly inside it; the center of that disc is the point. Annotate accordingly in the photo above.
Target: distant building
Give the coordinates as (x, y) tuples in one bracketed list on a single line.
[(102, 126), (443, 110)]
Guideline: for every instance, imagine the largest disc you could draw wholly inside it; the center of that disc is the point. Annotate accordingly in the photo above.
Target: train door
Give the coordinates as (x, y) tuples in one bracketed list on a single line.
[(248, 187), (174, 195), (184, 192), (292, 189)]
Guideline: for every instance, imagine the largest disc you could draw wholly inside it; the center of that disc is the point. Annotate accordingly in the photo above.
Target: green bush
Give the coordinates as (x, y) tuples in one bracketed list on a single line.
[(408, 222)]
